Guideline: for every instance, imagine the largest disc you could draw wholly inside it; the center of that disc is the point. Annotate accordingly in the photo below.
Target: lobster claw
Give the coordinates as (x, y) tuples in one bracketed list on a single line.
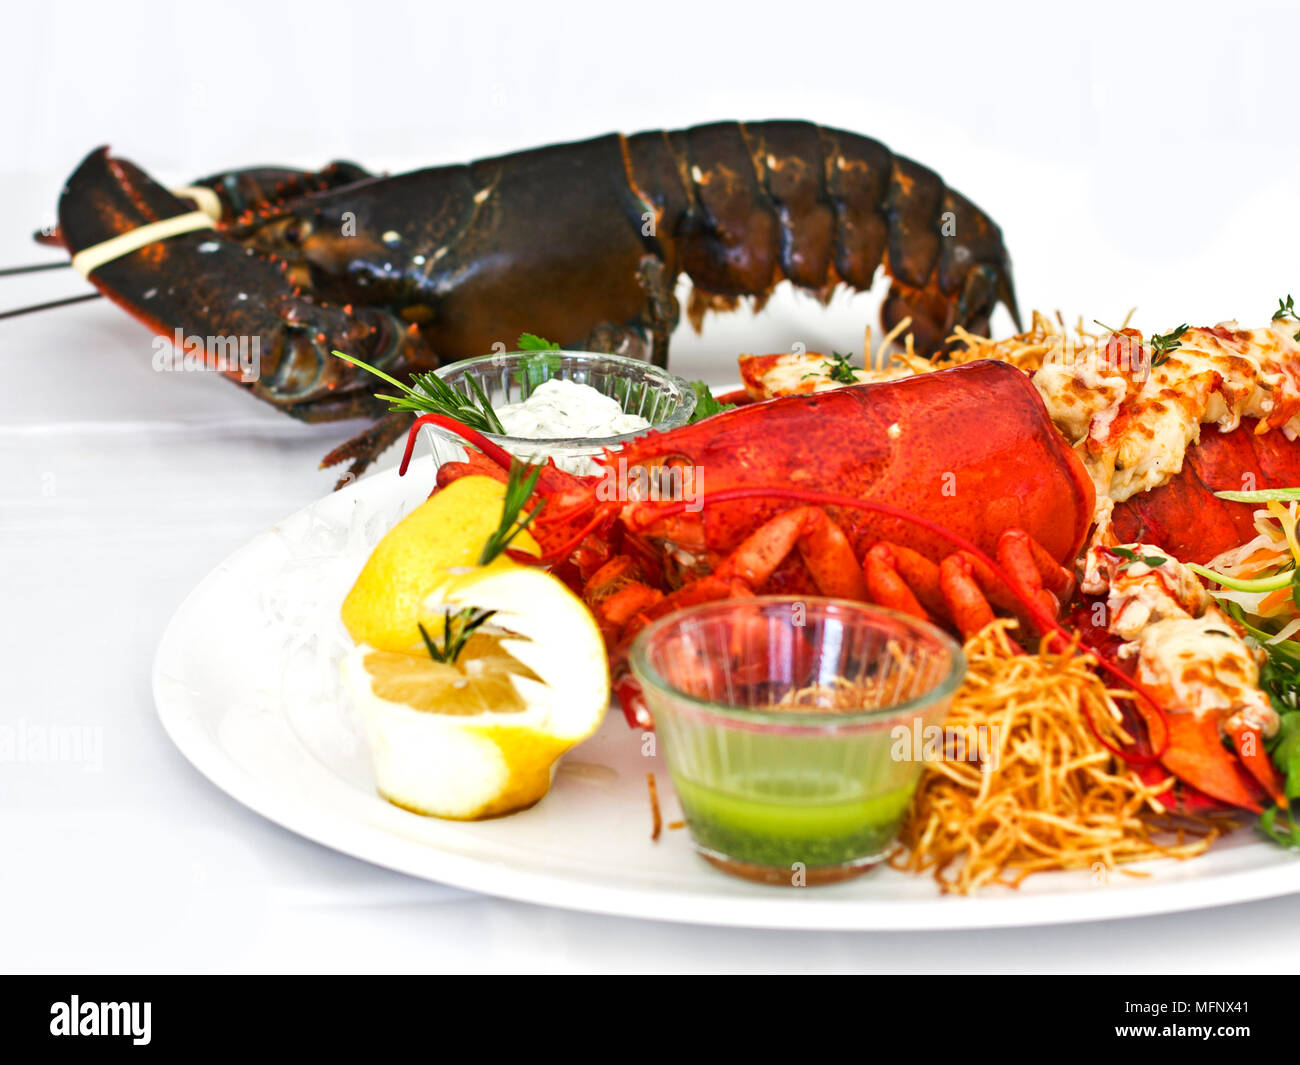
[(206, 290), (1196, 755), (246, 192)]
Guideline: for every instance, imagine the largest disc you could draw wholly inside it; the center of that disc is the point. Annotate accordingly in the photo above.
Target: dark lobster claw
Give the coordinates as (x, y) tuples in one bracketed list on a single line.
[(259, 188), (237, 194), (202, 288)]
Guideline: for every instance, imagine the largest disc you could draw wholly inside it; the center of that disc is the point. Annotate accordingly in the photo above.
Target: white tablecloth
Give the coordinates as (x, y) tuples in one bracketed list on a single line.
[(121, 487)]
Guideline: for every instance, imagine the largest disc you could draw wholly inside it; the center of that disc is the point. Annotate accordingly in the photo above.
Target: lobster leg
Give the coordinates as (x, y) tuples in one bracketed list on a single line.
[(903, 580), (961, 588), (364, 448), (623, 603), (1196, 754), (821, 543), (967, 604)]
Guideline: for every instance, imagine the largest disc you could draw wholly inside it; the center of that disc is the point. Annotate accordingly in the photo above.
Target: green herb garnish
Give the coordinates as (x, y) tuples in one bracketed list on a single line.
[(458, 627), (1162, 344), (1245, 584), (839, 368), (532, 342), (1279, 677), (1263, 495), (540, 367), (456, 631), (706, 404), (1287, 835), (1130, 556), (432, 395), (1286, 309), (520, 484)]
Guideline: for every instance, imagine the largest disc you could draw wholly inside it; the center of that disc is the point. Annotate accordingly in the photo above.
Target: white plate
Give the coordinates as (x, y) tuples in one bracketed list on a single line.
[(246, 685)]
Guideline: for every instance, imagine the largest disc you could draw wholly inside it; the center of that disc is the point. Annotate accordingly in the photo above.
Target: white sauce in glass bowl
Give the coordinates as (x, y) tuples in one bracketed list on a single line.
[(559, 409), (565, 410)]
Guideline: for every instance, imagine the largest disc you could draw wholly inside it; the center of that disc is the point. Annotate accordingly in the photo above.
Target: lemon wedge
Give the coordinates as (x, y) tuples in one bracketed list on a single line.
[(447, 531), (479, 737)]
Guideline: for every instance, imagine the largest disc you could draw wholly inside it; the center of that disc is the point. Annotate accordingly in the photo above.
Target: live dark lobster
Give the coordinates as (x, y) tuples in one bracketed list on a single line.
[(580, 242)]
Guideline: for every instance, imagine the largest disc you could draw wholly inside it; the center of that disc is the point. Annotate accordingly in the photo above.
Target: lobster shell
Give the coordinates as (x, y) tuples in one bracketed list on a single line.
[(971, 448), (1184, 516)]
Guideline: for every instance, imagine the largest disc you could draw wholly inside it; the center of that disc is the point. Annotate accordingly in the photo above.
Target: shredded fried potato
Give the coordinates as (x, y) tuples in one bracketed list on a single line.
[(657, 818), (1051, 796), (1044, 340), (893, 683)]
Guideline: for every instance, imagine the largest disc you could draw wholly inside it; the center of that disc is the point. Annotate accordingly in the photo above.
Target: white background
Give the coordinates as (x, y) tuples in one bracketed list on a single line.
[(1134, 157)]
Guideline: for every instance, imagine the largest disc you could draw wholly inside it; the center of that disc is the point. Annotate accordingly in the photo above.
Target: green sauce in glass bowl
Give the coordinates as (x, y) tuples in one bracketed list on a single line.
[(783, 823), (779, 718)]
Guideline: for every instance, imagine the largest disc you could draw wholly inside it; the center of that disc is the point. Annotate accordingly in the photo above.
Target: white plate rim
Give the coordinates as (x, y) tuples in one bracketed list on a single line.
[(782, 909)]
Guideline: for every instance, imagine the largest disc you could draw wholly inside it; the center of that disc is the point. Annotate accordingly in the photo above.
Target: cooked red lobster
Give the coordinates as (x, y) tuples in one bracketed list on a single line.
[(947, 495), (580, 242)]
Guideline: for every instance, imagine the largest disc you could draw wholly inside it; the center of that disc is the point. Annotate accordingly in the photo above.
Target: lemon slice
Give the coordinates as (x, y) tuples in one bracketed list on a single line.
[(480, 737), (444, 532)]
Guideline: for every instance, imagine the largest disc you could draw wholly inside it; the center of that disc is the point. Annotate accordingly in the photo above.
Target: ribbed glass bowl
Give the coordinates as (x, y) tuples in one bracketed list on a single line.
[(663, 399), (794, 729)]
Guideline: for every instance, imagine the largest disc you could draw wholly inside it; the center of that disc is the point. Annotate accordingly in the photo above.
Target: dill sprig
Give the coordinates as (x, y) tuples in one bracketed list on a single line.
[(432, 395)]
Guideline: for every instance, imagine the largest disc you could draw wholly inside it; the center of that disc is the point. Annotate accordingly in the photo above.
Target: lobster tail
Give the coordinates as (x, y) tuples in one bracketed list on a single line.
[(747, 205)]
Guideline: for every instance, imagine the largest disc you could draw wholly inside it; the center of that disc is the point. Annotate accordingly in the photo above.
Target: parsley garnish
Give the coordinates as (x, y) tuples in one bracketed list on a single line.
[(532, 342), (1286, 309), (1162, 344), (706, 405), (540, 367), (839, 368)]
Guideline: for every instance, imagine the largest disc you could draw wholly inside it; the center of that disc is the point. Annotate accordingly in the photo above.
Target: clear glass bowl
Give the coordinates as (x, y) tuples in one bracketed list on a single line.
[(663, 399), (807, 793)]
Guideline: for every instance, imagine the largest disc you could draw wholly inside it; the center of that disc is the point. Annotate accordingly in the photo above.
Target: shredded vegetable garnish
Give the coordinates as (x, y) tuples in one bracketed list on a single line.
[(1258, 585), (1050, 796), (1256, 581)]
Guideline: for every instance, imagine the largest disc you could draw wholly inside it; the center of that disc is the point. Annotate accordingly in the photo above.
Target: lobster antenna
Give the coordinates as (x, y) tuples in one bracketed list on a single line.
[(50, 305), (9, 271)]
